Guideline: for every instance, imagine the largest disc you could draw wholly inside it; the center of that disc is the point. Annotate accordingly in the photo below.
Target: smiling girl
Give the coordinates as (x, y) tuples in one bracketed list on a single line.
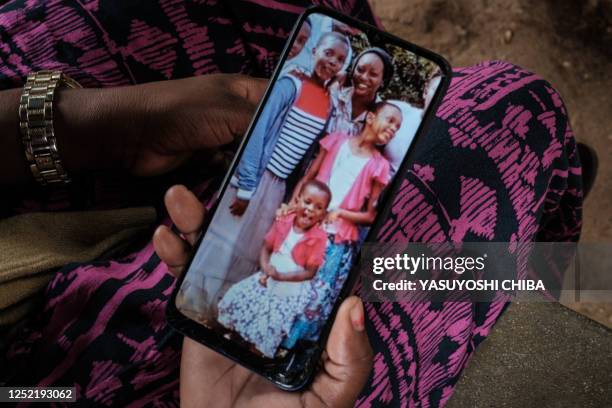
[(263, 307)]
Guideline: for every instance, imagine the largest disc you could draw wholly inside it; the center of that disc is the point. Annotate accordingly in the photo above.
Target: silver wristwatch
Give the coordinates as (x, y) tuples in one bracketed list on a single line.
[(36, 125)]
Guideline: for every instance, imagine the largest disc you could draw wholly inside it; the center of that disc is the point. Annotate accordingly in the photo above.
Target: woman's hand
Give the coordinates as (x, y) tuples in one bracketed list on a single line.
[(192, 114), (152, 128), (208, 376), (145, 129)]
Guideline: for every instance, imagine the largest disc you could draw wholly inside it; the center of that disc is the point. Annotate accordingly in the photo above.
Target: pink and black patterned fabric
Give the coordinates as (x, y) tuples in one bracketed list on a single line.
[(498, 164)]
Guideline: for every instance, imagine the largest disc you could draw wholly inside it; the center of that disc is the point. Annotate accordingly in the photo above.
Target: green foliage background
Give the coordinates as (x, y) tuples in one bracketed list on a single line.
[(411, 72)]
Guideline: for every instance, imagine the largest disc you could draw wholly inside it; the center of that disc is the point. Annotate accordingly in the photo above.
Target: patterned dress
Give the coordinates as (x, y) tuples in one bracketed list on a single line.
[(263, 315), (498, 164)]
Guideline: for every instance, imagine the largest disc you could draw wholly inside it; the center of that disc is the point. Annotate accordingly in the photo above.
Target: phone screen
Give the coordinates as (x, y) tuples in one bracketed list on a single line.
[(306, 188)]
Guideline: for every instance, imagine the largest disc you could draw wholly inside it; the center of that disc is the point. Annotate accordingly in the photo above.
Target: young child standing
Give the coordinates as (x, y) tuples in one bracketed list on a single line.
[(356, 173), (263, 307), (294, 117)]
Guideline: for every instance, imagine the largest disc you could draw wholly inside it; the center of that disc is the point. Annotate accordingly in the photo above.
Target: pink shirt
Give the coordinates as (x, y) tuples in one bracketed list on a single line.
[(309, 252), (376, 169)]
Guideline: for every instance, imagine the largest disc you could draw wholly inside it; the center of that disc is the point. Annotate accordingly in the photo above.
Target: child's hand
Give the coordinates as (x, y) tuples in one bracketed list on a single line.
[(333, 216), (263, 280), (238, 207), (270, 271), (283, 210)]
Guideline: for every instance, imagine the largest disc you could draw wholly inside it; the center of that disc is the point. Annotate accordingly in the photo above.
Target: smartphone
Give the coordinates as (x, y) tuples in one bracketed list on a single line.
[(309, 184)]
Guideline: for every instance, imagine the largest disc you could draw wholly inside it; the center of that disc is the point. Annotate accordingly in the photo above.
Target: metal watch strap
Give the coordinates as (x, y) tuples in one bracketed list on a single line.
[(36, 125)]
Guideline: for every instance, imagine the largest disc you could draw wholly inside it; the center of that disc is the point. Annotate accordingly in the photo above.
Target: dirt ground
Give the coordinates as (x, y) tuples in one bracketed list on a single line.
[(568, 43)]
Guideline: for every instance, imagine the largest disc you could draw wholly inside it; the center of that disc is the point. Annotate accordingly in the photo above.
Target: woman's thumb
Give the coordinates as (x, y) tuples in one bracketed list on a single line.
[(349, 357), (348, 342)]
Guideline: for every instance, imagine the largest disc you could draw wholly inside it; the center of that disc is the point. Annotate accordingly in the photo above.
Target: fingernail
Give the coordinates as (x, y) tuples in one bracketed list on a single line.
[(358, 317)]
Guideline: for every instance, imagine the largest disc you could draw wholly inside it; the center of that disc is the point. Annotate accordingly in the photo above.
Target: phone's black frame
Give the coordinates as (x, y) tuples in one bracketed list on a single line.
[(229, 349)]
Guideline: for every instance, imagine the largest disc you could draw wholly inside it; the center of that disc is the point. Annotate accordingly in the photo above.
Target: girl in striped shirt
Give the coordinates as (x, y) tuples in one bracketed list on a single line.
[(294, 117), (306, 116)]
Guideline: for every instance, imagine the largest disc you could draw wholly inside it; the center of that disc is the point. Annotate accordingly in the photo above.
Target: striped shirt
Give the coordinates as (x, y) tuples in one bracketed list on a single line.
[(305, 121)]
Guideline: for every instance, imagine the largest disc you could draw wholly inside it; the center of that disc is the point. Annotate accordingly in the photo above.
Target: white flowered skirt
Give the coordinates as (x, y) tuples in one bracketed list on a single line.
[(263, 315)]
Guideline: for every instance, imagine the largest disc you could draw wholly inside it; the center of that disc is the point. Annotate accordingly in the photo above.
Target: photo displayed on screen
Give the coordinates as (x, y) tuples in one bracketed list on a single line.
[(331, 136)]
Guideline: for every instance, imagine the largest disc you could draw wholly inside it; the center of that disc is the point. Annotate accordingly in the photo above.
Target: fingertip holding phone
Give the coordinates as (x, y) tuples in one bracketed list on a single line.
[(312, 179)]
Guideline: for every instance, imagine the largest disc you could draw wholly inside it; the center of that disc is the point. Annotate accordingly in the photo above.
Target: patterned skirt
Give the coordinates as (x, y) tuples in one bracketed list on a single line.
[(263, 315)]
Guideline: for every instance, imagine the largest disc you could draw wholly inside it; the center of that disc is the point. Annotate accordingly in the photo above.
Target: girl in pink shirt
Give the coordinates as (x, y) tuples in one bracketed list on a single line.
[(263, 307), (356, 172)]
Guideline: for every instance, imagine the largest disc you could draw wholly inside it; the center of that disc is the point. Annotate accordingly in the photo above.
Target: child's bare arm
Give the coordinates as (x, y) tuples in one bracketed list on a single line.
[(311, 173), (362, 217), (264, 262)]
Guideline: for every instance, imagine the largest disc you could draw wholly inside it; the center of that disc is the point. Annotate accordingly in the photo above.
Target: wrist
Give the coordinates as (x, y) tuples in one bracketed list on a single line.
[(244, 195), (97, 128), (14, 164)]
